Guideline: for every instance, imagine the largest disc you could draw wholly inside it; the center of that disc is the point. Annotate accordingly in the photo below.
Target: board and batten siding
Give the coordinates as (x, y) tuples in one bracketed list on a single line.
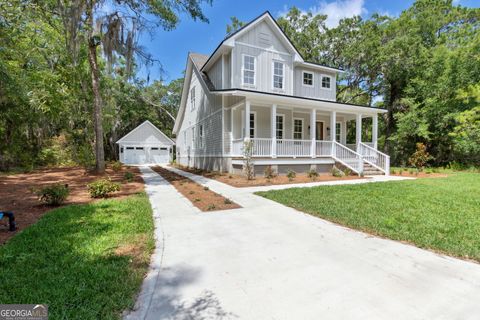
[(215, 74), (315, 91)]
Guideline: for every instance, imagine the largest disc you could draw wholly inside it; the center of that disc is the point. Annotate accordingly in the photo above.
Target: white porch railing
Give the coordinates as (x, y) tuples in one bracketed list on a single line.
[(375, 158), (237, 147), (347, 157), (262, 147), (293, 148), (323, 148)]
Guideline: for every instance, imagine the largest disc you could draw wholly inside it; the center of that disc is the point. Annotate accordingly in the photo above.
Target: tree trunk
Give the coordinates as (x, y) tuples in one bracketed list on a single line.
[(97, 98)]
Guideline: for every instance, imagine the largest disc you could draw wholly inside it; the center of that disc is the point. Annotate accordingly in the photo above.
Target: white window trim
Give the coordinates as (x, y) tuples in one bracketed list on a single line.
[(341, 125), (303, 128), (201, 134), (321, 82), (273, 76), (254, 123), (313, 79), (254, 71), (283, 121), (193, 98)]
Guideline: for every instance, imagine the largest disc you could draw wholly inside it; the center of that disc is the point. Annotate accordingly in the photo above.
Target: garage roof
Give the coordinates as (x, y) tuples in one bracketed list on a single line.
[(146, 133)]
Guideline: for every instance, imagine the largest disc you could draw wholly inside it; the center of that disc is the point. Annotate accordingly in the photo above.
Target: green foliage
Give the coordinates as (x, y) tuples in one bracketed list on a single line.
[(336, 172), (347, 171), (291, 175), (128, 176), (420, 157), (79, 247), (116, 166), (102, 188), (248, 166), (53, 195), (437, 213), (269, 173), (312, 174)]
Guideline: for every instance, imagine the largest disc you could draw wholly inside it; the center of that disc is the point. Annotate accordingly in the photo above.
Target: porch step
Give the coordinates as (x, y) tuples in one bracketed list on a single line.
[(370, 170)]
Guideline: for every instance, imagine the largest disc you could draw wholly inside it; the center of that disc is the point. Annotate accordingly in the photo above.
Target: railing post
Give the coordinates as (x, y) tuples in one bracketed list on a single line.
[(387, 165), (273, 128), (358, 130), (334, 149), (313, 134)]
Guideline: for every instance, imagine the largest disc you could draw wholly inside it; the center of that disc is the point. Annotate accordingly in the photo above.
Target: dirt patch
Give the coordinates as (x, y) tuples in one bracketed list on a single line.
[(240, 181), (201, 197), (16, 192)]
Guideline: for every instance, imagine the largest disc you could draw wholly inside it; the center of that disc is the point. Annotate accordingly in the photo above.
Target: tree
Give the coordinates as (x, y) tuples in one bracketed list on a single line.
[(235, 25)]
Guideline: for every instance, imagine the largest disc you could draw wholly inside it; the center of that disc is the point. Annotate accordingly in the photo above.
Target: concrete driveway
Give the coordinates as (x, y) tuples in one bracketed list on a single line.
[(268, 261)]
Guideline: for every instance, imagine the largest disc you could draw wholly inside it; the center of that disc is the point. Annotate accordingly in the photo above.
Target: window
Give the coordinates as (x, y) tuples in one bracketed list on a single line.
[(249, 70), (154, 148), (121, 150), (163, 149), (200, 134), (139, 148), (252, 125), (298, 129), (307, 79), (193, 136), (130, 148), (192, 98), (277, 75), (279, 126), (325, 82), (338, 131)]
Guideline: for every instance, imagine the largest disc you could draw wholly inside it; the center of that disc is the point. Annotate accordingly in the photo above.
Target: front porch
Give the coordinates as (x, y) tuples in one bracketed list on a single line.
[(298, 134)]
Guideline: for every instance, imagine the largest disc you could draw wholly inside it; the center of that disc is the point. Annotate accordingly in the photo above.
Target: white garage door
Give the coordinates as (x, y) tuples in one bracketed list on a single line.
[(159, 155), (135, 155)]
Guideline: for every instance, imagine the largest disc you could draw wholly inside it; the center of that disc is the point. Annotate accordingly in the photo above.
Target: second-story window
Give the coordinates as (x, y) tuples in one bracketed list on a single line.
[(326, 82), (308, 79), (277, 75), (192, 98), (249, 70)]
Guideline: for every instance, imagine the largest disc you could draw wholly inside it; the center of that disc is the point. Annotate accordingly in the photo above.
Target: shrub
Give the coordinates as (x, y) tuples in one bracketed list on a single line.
[(291, 175), (420, 157), (393, 171), (53, 195), (211, 207), (248, 166), (102, 188), (206, 188), (192, 192), (116, 166), (312, 174), (411, 171), (347, 171), (128, 176), (227, 201), (269, 173), (337, 172), (197, 200)]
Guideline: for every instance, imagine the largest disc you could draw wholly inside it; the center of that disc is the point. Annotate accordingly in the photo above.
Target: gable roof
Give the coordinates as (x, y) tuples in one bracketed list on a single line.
[(142, 125), (266, 16)]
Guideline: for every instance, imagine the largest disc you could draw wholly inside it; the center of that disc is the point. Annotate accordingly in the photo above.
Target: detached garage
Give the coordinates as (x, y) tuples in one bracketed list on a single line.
[(145, 144)]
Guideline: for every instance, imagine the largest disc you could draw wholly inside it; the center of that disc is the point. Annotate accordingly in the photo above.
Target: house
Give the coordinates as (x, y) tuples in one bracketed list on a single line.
[(145, 144), (256, 87)]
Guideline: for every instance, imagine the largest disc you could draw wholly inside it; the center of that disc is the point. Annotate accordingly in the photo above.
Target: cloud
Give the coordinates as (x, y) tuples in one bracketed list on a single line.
[(339, 9)]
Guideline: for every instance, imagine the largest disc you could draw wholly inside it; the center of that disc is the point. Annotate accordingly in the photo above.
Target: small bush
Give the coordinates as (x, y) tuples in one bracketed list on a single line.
[(192, 192), (230, 176), (400, 172), (393, 171), (102, 188), (435, 170), (337, 172), (420, 157), (411, 171), (197, 200), (347, 171), (53, 195), (116, 166), (227, 201), (312, 174), (128, 176), (211, 207), (206, 188), (291, 175), (269, 173)]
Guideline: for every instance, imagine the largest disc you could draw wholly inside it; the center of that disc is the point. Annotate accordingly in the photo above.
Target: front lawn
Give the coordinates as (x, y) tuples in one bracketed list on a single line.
[(83, 261), (440, 213)]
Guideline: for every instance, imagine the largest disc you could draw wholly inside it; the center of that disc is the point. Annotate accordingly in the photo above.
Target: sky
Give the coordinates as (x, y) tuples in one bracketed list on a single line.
[(171, 47)]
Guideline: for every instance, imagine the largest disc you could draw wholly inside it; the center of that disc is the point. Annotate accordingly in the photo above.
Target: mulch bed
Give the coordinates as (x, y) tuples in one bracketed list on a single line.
[(16, 192), (201, 197), (240, 181), (422, 174)]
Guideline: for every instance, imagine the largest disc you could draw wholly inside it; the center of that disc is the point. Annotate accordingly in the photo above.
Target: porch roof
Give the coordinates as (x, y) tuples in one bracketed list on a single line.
[(278, 98)]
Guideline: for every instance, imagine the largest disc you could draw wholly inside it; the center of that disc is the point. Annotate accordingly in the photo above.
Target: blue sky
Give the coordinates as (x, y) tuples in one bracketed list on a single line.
[(172, 47)]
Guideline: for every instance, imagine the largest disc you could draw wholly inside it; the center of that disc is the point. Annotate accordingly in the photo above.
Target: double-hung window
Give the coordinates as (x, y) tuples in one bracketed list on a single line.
[(338, 131), (280, 126), (192, 98), (308, 79), (326, 82), (298, 129), (248, 70), (278, 75), (252, 125)]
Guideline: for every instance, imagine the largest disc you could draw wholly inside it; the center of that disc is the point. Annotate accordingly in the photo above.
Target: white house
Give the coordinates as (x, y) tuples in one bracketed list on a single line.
[(145, 144), (256, 86)]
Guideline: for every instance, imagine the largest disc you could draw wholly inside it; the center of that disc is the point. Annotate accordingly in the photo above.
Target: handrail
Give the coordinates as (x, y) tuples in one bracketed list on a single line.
[(375, 158), (347, 157)]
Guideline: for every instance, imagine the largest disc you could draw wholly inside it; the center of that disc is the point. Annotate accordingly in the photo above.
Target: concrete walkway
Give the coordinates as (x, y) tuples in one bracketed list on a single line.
[(268, 261)]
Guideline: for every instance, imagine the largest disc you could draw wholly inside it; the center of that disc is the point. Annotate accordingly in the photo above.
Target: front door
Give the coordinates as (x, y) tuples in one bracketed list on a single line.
[(319, 131)]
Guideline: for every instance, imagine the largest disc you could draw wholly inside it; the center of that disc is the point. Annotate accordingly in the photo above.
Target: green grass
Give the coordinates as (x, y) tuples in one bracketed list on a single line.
[(442, 214), (84, 261)]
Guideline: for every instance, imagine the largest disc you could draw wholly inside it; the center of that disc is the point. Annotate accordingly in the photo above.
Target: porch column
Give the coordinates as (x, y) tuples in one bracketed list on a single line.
[(313, 133), (333, 131), (375, 131), (273, 130), (358, 129), (246, 134)]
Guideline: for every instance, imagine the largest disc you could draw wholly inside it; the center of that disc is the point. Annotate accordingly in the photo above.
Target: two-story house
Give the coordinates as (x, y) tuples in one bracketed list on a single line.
[(256, 86)]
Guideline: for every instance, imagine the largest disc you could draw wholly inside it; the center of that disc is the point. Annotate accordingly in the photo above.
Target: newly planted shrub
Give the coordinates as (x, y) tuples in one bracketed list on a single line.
[(206, 188), (269, 173), (53, 195), (337, 172), (116, 166), (291, 175), (227, 201), (347, 171), (128, 176), (211, 207), (420, 157), (102, 188), (312, 174)]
